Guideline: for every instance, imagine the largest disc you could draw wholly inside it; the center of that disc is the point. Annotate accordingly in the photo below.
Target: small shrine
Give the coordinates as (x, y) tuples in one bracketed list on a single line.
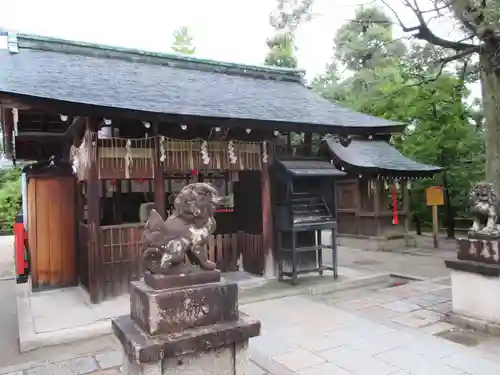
[(123, 131), (372, 199)]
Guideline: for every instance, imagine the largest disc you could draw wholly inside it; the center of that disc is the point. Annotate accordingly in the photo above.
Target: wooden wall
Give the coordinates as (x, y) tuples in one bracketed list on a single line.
[(51, 231), (363, 209)]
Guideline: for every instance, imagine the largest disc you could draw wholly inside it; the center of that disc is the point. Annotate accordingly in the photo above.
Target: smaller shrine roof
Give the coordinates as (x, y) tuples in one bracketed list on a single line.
[(302, 168), (378, 157)]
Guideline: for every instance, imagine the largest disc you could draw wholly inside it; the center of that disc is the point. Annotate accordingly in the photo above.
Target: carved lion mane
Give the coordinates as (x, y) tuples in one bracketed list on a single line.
[(183, 233), (483, 200)]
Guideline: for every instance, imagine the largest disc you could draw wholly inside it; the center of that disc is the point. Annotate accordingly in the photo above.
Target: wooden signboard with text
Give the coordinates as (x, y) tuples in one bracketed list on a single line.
[(434, 196)]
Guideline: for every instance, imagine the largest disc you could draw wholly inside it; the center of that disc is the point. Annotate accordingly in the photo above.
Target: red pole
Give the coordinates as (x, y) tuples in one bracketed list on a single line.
[(395, 219)]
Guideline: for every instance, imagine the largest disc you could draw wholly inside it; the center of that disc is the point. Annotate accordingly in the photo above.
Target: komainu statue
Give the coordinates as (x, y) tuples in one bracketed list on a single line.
[(167, 243), (483, 200)]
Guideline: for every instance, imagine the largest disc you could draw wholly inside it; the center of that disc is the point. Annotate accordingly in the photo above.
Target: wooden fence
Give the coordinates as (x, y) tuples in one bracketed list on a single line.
[(120, 260)]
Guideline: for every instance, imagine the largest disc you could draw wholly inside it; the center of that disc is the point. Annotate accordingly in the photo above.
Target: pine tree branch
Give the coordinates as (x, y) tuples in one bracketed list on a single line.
[(423, 32), (425, 80)]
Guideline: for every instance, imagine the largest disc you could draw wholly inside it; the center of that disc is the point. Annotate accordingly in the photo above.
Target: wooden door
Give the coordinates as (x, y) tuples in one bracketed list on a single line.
[(51, 231)]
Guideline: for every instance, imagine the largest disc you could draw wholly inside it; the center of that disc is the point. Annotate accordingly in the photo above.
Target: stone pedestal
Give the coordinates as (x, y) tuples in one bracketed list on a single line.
[(184, 324), (475, 281)]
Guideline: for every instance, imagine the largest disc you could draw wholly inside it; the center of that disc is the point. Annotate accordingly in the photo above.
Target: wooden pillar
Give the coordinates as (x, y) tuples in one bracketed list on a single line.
[(94, 221), (159, 179), (8, 127), (289, 143), (406, 205), (267, 223), (359, 209), (377, 195), (308, 144)]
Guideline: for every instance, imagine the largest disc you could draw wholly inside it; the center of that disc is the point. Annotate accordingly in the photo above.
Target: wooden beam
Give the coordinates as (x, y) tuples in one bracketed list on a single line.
[(377, 197), (267, 221), (159, 179), (94, 224), (39, 136), (76, 126), (8, 127)]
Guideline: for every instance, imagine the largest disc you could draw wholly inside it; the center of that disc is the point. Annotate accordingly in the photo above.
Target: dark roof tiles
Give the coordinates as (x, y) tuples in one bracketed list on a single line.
[(158, 83), (376, 155), (310, 168)]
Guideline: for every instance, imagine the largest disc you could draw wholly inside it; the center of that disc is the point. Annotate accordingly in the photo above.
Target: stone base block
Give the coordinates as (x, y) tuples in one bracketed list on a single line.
[(468, 322), (160, 281), (229, 360), (176, 309), (475, 290), (215, 349), (479, 248)]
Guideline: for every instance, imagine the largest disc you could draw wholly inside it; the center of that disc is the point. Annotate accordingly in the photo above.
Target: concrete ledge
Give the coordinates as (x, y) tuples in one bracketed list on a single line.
[(480, 268), (98, 323), (377, 243), (468, 322), (276, 289), (29, 339)]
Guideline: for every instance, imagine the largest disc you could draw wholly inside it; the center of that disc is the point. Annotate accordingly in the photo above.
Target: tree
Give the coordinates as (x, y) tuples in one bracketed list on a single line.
[(285, 20), (367, 41), (479, 21), (390, 86), (10, 197), (183, 41)]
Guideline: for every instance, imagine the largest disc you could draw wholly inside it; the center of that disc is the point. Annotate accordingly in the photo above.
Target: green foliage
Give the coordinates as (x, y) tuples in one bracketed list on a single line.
[(400, 83), (183, 41), (10, 197), (367, 41), (285, 20)]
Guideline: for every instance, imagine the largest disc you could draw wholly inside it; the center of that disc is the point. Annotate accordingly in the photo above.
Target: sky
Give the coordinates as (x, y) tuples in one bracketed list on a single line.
[(228, 30)]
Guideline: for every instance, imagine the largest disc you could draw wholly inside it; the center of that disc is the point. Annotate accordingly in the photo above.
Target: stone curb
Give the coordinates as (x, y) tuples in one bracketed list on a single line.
[(314, 290), (98, 358), (467, 322)]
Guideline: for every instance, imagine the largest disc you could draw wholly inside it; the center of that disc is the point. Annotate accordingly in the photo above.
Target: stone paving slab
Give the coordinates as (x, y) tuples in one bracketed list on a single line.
[(294, 342), (359, 346)]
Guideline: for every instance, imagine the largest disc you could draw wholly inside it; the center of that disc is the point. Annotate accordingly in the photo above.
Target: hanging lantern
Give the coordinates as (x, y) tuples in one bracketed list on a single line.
[(194, 172), (408, 184)]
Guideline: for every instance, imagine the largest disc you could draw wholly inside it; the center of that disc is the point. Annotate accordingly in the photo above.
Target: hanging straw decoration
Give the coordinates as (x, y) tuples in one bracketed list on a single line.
[(128, 158), (204, 153), (231, 152), (265, 156), (80, 158), (162, 149)]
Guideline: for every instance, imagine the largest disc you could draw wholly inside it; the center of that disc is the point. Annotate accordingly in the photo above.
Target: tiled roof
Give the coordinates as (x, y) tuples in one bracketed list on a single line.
[(377, 156), (310, 168), (159, 83)]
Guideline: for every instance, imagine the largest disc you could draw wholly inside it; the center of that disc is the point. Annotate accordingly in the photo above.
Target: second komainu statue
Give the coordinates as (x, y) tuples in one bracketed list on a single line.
[(483, 200), (166, 244)]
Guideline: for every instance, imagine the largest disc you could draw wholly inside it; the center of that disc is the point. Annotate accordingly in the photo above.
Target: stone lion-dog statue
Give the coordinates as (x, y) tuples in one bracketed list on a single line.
[(185, 232), (483, 200)]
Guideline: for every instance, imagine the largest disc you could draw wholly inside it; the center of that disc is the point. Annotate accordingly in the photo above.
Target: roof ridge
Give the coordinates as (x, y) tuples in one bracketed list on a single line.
[(53, 44)]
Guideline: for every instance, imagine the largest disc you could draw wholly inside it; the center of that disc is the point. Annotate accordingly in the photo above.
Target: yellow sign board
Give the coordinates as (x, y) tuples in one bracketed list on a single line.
[(434, 196)]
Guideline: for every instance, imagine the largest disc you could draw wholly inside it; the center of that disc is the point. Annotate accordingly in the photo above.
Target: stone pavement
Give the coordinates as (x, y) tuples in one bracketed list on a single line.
[(305, 336), (390, 331)]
